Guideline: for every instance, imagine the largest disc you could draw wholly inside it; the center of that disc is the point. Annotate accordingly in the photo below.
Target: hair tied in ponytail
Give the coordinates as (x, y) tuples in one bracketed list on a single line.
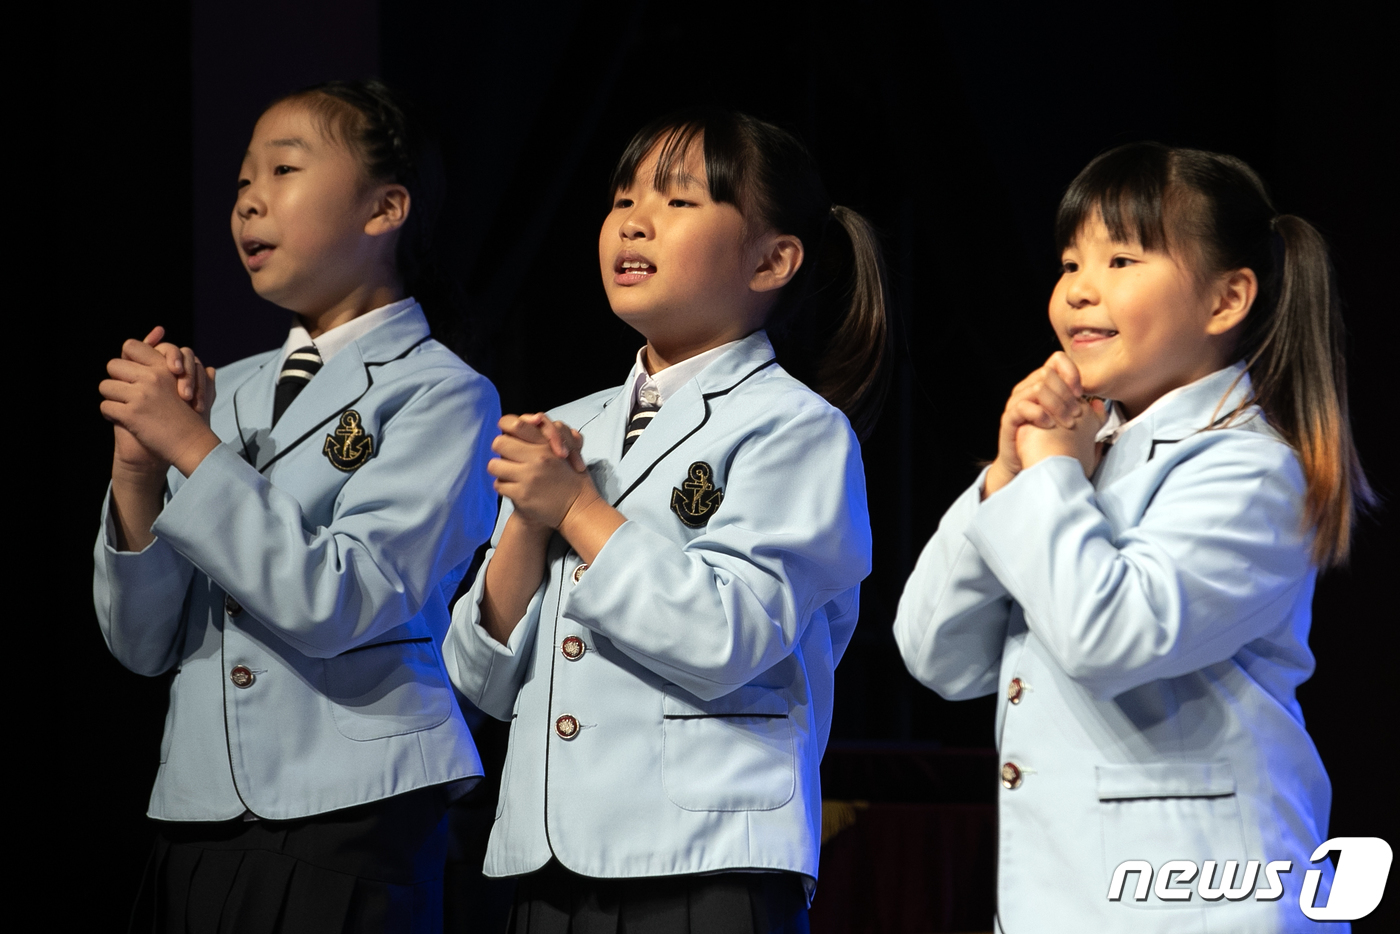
[(1292, 339), (829, 325)]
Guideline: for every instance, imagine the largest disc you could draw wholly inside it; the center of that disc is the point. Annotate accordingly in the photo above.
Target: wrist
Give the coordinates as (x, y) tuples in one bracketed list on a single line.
[(531, 528), (998, 475), (576, 515), (193, 453), (138, 480), (589, 522)]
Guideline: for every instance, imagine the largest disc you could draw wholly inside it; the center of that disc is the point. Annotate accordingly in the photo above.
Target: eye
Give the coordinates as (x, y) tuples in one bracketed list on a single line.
[(1069, 266), (283, 169), (622, 203), (680, 203), (243, 183), (1121, 262)]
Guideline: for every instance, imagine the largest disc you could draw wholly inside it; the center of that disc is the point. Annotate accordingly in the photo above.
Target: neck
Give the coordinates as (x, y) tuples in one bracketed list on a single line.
[(363, 299), (661, 354)]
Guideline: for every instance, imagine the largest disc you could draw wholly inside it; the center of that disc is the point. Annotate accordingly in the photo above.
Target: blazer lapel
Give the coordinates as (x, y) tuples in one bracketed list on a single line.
[(602, 442), (251, 413), (684, 413), (338, 385), (330, 392)]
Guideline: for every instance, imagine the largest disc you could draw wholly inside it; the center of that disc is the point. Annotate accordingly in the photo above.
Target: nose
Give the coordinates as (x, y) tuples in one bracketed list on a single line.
[(248, 203), (1080, 290), (636, 225)]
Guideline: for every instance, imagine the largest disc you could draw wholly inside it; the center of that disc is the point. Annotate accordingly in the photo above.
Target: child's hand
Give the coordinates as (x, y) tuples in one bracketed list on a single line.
[(1034, 444), (142, 398), (191, 376), (565, 442), (1048, 398), (540, 468)]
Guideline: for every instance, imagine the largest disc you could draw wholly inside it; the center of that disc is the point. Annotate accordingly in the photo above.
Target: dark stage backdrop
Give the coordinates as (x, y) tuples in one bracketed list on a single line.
[(953, 127)]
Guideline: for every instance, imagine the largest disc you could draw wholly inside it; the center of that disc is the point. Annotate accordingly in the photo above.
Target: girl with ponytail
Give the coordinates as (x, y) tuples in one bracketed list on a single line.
[(1135, 570), (675, 571), (288, 549)]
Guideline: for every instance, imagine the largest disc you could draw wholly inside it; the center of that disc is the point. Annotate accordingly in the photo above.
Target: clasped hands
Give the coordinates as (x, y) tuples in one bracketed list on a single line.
[(158, 397), (1046, 415), (539, 467)]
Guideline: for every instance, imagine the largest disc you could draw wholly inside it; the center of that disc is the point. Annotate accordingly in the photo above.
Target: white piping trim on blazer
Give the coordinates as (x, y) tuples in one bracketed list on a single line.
[(369, 377), (706, 397)]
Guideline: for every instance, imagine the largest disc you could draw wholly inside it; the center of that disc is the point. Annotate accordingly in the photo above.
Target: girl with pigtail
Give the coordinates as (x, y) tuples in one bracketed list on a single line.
[(675, 571), (1134, 572), (288, 550)]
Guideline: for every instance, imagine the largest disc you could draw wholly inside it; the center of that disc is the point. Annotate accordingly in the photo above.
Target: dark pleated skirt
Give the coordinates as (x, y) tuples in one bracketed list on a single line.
[(553, 900), (373, 868)]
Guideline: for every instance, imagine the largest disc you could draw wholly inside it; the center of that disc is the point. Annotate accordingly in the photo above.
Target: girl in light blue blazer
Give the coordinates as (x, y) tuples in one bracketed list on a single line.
[(1133, 574), (675, 571), (289, 552)]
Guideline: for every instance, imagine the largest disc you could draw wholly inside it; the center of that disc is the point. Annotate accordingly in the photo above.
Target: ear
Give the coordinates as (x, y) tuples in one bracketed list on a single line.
[(1235, 294), (779, 258), (390, 210)]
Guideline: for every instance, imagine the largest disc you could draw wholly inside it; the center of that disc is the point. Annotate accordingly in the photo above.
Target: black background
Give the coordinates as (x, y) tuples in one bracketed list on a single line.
[(954, 128)]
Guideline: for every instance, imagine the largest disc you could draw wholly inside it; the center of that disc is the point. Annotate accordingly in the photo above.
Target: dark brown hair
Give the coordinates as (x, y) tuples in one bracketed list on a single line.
[(830, 326), (394, 144), (1214, 211)]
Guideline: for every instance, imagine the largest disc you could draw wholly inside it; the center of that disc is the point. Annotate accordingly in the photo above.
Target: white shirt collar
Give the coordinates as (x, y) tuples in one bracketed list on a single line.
[(663, 384), (338, 338), (1115, 425)]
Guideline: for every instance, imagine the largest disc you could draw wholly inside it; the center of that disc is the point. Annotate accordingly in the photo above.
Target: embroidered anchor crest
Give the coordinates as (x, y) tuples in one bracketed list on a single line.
[(351, 445), (697, 498)]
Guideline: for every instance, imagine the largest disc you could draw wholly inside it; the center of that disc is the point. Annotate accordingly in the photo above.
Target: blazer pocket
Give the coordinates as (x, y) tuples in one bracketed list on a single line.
[(388, 689), (1164, 811), (735, 753)]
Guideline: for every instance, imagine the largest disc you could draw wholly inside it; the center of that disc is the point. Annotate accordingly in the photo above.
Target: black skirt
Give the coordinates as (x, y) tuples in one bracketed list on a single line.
[(372, 868), (554, 900)]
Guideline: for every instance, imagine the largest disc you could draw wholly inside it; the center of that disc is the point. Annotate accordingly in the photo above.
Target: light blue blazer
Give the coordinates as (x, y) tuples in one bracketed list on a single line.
[(710, 626), (299, 584), (1156, 623)]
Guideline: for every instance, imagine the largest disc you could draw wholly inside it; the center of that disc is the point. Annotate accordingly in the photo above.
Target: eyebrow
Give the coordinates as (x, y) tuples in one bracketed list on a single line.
[(679, 179), (294, 141)]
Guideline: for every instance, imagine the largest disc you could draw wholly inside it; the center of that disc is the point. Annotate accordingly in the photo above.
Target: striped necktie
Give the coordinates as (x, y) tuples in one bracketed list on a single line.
[(302, 364), (648, 404)]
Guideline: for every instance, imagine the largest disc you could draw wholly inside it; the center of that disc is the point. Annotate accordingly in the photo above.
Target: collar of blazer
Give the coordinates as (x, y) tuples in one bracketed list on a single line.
[(337, 387), (685, 413), (1188, 411)]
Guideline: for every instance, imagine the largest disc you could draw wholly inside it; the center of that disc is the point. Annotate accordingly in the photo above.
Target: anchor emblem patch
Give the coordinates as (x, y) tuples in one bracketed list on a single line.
[(697, 498), (350, 446)]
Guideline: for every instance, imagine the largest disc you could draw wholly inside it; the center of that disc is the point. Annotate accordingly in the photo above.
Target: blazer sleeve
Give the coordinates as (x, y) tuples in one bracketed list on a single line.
[(791, 534), (488, 673), (952, 619), (402, 522), (1215, 562), (140, 598)]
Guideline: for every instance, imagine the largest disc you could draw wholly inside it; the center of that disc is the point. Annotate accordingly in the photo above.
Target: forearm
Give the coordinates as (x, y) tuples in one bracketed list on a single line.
[(137, 499), (513, 576), (952, 620), (588, 524)]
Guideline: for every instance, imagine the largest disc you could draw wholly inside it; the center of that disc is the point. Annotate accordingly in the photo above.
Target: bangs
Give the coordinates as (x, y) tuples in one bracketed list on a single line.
[(721, 144), (1128, 187)]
